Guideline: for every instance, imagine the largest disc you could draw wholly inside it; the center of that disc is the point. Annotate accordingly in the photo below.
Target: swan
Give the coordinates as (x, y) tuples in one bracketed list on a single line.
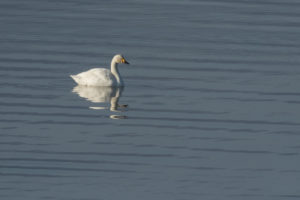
[(102, 76)]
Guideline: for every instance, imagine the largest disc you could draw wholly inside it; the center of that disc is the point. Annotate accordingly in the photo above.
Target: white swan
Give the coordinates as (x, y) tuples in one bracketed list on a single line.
[(102, 76)]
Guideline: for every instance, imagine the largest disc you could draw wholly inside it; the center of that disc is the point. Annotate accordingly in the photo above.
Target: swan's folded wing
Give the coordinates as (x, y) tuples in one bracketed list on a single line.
[(95, 77)]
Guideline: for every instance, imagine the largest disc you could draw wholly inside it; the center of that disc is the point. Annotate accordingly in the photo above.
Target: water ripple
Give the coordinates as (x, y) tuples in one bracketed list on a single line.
[(85, 161), (66, 169), (91, 153)]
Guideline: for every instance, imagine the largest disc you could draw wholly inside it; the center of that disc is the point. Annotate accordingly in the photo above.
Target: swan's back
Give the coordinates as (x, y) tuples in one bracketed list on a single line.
[(95, 77)]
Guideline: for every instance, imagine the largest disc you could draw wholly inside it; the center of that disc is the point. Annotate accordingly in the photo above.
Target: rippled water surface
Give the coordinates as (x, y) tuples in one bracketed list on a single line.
[(210, 110)]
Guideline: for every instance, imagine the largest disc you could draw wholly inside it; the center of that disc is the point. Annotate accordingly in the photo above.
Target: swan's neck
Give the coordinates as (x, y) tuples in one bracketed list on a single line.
[(115, 71)]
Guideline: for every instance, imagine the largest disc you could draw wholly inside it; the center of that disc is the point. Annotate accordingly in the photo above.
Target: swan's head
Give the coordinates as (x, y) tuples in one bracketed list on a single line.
[(119, 58)]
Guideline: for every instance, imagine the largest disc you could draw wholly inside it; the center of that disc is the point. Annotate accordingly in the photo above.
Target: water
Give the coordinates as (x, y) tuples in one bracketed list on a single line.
[(210, 108)]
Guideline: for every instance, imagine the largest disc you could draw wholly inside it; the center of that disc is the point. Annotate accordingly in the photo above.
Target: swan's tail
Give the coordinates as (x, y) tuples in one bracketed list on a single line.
[(75, 78)]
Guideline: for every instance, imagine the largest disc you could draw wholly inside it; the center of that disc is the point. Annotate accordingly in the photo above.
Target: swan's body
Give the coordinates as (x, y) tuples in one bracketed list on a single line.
[(102, 76), (96, 77)]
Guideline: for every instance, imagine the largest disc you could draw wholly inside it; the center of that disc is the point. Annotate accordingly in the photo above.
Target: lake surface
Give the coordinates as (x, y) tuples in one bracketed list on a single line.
[(212, 92)]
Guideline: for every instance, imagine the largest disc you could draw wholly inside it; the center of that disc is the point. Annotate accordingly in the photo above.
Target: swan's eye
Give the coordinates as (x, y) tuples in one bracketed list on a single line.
[(123, 60)]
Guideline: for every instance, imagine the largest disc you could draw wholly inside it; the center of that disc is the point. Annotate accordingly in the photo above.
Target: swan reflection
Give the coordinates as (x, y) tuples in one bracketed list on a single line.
[(102, 95)]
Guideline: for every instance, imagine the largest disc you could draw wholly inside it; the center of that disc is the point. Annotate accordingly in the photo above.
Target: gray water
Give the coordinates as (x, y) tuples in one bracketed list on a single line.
[(212, 95)]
